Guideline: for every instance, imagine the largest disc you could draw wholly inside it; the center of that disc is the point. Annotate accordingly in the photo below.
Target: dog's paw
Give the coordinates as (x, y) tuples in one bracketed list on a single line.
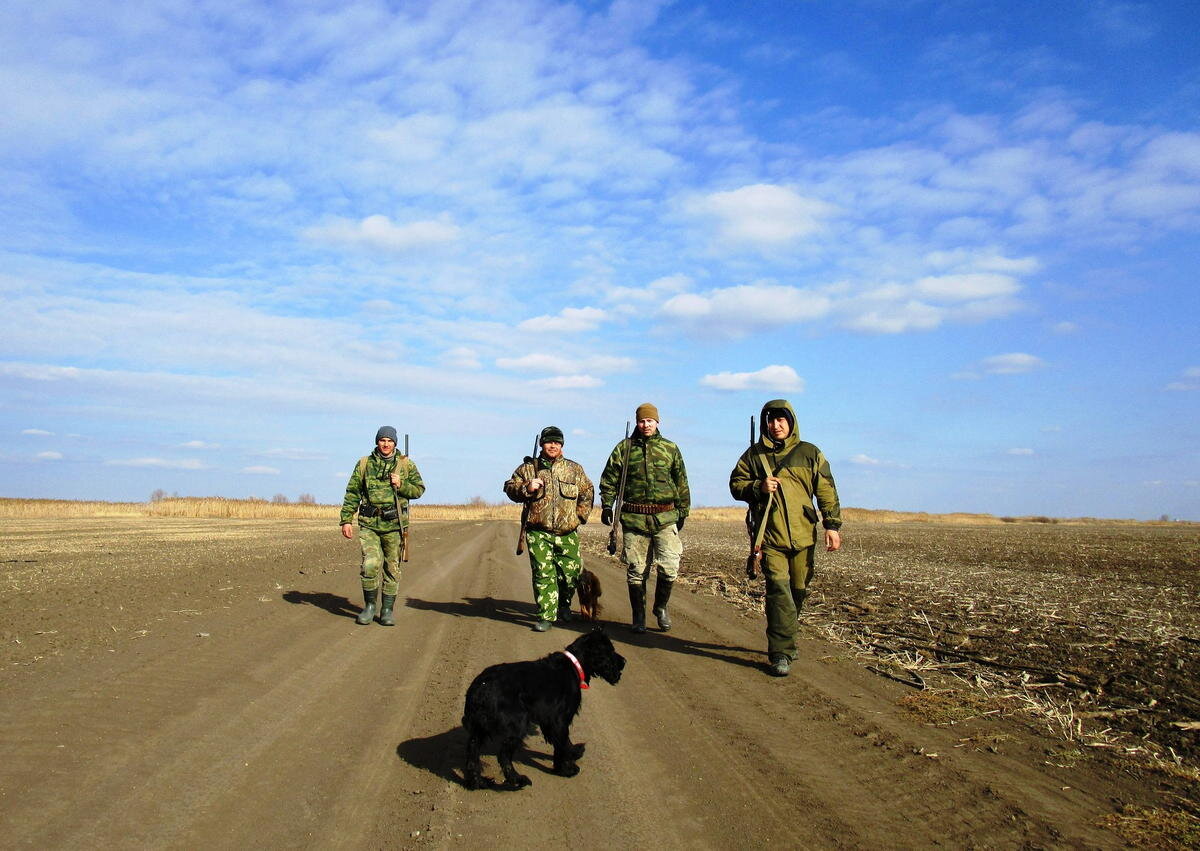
[(570, 769), (517, 781), (577, 750)]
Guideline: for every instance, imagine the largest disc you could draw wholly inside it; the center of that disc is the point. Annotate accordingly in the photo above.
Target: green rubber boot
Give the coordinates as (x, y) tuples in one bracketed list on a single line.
[(385, 611), (368, 613)]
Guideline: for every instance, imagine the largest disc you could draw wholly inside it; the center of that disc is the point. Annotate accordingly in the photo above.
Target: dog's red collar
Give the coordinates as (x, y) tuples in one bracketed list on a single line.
[(578, 668)]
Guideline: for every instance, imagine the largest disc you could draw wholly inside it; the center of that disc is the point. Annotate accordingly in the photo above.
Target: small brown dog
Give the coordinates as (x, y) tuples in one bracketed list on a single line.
[(589, 595)]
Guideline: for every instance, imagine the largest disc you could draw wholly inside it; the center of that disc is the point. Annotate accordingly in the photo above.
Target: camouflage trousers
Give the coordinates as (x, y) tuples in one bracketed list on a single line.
[(662, 551), (787, 573), (555, 563), (380, 552)]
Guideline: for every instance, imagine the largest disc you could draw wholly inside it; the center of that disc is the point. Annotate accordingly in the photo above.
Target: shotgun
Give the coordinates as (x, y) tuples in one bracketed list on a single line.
[(522, 540), (754, 560), (403, 525), (616, 540)]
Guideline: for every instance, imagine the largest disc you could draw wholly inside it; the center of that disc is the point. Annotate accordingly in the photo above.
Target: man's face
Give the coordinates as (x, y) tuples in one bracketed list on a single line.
[(385, 445), (778, 427), (647, 427), (552, 450)]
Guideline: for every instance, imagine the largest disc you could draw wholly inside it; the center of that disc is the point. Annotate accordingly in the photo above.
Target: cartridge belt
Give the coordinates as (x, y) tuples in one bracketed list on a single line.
[(646, 507)]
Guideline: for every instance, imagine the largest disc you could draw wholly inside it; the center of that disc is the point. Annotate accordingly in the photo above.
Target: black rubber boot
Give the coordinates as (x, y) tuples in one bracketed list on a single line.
[(368, 613), (385, 611), (637, 605), (662, 595)]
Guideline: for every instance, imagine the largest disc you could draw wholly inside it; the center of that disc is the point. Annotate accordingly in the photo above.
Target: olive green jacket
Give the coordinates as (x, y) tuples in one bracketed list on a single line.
[(370, 484), (562, 503), (656, 476), (803, 473)]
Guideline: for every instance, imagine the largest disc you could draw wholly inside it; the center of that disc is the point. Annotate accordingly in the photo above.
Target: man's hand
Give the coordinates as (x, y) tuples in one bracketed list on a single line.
[(533, 486), (833, 540), (606, 516), (347, 530), (770, 485), (395, 477)]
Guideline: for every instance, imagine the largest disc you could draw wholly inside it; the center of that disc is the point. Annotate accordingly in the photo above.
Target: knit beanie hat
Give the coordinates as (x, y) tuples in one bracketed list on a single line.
[(647, 411), (385, 431), (551, 434)]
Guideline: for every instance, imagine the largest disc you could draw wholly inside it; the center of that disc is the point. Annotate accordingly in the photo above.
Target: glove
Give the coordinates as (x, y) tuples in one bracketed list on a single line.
[(606, 516), (679, 524)]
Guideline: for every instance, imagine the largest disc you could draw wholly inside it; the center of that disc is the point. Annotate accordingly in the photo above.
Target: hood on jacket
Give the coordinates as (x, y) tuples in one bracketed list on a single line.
[(788, 412)]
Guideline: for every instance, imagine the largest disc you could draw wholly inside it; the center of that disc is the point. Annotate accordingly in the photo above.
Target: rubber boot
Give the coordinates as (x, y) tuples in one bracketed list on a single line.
[(662, 594), (385, 610), (637, 605), (368, 613)]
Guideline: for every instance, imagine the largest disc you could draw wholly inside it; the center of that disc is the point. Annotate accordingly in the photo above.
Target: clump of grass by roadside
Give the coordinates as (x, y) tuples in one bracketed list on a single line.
[(1155, 828)]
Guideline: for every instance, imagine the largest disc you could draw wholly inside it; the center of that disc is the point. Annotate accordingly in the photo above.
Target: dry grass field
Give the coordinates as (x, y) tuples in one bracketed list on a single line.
[(1095, 626)]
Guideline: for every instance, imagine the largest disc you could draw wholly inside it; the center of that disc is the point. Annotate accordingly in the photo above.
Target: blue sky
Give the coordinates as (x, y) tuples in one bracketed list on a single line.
[(961, 237)]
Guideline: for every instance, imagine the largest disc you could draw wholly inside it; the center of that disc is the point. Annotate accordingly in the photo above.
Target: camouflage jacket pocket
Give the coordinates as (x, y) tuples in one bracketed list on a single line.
[(568, 490)]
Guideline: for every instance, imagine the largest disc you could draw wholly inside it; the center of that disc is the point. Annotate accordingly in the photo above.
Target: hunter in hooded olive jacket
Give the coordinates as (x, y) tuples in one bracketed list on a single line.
[(803, 473), (656, 476), (370, 484)]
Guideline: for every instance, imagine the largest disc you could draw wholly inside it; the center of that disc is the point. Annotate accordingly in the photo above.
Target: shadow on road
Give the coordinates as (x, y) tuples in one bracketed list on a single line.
[(331, 603), (509, 611), (443, 755)]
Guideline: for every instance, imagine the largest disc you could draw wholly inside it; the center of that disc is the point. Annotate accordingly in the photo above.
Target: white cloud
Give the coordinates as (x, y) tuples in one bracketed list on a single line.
[(763, 215), (567, 382), (261, 470), (571, 320), (199, 444), (966, 287), (865, 460), (380, 233), (295, 454), (1020, 451), (49, 456), (37, 432), (1064, 327), (742, 308), (775, 378), (541, 362), (166, 463), (1190, 380), (461, 357), (1013, 363)]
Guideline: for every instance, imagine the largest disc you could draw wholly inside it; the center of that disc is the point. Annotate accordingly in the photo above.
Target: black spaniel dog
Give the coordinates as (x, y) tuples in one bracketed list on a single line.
[(508, 702)]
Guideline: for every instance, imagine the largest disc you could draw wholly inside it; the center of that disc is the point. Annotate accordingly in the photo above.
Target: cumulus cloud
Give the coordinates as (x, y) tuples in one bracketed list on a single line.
[(743, 308), (541, 362), (1013, 363), (199, 444), (165, 463), (863, 460), (261, 470), (570, 320), (1189, 380), (49, 456), (567, 382), (37, 432), (461, 357), (773, 378), (763, 215), (381, 234)]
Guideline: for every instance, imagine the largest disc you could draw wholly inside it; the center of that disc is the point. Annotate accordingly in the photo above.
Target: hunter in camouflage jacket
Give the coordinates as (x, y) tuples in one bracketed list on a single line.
[(370, 489), (564, 500), (656, 476)]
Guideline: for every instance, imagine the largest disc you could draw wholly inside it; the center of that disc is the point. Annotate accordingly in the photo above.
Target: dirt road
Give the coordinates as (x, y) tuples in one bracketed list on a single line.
[(203, 684)]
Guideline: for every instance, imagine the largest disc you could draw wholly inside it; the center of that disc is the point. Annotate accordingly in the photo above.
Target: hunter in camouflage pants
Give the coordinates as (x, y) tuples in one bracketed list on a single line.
[(555, 563)]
